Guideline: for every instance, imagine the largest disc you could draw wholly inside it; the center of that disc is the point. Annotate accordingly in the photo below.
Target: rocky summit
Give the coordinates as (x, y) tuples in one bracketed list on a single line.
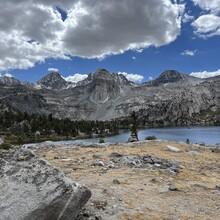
[(52, 81), (172, 99)]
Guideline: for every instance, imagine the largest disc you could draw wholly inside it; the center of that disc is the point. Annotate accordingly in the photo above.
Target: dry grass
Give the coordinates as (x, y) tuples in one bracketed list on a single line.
[(137, 197)]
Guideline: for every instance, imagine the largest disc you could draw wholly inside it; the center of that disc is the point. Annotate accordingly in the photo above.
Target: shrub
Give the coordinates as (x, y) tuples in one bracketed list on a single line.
[(101, 140), (150, 138), (5, 146)]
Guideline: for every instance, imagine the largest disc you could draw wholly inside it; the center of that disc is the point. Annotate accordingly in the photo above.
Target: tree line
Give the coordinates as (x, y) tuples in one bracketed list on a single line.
[(23, 124)]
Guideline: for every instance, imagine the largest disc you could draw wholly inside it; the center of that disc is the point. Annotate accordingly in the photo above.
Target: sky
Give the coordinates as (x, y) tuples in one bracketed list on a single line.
[(137, 38)]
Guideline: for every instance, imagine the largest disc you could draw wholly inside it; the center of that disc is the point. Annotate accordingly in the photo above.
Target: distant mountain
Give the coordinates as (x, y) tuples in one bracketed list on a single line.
[(173, 76), (10, 81), (53, 81), (103, 74), (172, 99)]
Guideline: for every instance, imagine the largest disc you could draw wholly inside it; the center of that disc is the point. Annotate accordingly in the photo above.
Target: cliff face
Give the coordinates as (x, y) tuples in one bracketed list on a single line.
[(171, 99)]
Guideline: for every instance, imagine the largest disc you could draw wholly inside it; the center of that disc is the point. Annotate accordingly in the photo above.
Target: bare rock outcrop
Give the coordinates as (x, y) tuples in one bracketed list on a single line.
[(31, 189)]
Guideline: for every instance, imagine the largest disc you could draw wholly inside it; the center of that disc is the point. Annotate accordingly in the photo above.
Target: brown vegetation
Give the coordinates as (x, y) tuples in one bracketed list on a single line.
[(144, 193)]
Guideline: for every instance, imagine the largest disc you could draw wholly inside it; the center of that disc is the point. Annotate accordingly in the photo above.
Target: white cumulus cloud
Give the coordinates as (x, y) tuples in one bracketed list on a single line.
[(189, 52), (53, 70), (76, 78), (32, 31), (132, 77), (209, 5), (208, 24), (6, 74), (206, 74)]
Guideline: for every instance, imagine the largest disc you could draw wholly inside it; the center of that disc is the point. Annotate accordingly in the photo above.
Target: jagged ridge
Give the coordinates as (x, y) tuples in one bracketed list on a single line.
[(172, 98)]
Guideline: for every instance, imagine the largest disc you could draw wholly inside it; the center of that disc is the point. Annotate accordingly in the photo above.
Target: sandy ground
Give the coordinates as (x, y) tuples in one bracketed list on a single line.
[(143, 193)]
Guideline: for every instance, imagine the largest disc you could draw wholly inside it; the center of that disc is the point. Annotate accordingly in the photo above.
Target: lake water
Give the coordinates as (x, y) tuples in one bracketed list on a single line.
[(208, 135)]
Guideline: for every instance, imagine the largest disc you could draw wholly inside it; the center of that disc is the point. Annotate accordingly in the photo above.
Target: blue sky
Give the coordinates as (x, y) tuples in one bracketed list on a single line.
[(140, 39)]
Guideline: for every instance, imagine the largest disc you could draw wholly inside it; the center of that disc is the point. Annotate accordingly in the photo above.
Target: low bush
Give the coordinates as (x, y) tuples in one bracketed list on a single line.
[(101, 140), (5, 146), (150, 138)]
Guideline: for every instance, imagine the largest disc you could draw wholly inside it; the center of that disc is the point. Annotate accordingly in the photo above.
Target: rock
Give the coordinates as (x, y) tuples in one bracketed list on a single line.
[(153, 180), (172, 148), (172, 187), (192, 152), (1, 141), (148, 162), (218, 186), (95, 156), (115, 154), (174, 168), (163, 190), (111, 164), (216, 150), (31, 189), (115, 181), (132, 160), (99, 164), (201, 143), (148, 159), (133, 139)]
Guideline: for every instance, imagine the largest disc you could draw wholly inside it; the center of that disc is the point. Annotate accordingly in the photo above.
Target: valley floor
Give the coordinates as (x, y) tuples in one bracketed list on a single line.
[(143, 180)]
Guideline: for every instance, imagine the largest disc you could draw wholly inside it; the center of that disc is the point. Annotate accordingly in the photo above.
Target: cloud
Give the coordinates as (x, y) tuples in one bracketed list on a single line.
[(76, 78), (139, 50), (150, 78), (206, 74), (134, 58), (132, 77), (207, 25), (6, 74), (32, 31), (152, 26), (53, 70), (189, 52), (186, 18), (210, 5)]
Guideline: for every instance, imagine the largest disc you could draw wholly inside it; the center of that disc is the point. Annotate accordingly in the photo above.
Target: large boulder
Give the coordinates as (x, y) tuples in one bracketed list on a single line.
[(31, 189)]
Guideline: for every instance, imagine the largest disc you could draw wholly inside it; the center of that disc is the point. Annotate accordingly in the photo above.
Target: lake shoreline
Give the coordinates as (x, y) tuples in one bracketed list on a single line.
[(163, 133), (200, 135)]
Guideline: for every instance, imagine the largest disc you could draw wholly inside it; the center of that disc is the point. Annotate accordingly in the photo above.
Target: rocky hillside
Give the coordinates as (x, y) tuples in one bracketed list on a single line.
[(172, 99)]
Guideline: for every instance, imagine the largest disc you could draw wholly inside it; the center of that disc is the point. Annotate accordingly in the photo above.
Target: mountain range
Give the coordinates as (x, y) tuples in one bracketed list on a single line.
[(172, 99)]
